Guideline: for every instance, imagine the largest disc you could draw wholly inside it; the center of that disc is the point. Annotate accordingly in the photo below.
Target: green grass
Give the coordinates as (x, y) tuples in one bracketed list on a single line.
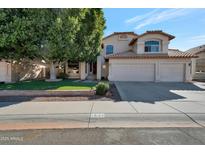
[(42, 85)]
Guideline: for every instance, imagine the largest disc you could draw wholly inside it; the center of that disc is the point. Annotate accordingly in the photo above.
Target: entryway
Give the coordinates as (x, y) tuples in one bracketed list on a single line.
[(92, 69)]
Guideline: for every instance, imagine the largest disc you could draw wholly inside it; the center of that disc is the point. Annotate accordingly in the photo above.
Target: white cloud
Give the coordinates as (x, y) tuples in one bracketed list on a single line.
[(157, 16), (140, 17), (199, 39), (190, 42)]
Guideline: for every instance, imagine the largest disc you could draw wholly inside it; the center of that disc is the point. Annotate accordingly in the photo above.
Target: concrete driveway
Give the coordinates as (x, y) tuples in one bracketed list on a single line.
[(185, 98), (149, 92)]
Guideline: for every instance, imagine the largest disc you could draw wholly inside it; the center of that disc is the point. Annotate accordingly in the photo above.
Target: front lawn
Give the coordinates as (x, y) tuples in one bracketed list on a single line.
[(42, 85)]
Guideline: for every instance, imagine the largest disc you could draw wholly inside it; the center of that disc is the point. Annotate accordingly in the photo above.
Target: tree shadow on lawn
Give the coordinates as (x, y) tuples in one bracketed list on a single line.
[(154, 92)]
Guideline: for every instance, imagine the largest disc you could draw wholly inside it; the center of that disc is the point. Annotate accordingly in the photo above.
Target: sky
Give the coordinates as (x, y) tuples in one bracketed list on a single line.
[(187, 25)]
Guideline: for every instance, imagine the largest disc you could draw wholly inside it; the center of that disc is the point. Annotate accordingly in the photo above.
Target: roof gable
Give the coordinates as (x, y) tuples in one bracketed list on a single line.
[(152, 32), (118, 33), (197, 50)]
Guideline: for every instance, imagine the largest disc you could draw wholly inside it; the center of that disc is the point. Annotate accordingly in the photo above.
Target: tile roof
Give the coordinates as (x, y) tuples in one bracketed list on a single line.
[(197, 49), (117, 33), (172, 53), (152, 32)]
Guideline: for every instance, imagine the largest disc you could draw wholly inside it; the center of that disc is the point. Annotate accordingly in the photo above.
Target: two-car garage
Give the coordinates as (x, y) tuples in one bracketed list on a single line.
[(148, 70)]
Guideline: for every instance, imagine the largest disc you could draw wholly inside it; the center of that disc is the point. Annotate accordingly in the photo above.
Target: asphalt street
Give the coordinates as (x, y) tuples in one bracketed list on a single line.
[(134, 136)]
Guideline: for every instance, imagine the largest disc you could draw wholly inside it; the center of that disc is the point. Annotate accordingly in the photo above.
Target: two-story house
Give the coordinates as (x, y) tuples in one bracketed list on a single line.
[(126, 56), (131, 57)]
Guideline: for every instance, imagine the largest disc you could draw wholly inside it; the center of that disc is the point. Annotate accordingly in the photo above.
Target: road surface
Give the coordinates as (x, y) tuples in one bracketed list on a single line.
[(187, 136)]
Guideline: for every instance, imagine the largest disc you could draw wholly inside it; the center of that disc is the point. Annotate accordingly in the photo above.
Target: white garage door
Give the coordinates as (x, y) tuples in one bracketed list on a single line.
[(132, 72), (171, 72)]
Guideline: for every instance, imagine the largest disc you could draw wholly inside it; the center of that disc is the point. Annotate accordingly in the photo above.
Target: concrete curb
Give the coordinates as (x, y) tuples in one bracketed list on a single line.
[(63, 121)]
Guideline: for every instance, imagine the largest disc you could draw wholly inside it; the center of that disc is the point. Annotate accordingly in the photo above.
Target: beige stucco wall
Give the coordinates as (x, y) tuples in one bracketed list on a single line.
[(5, 71), (83, 73), (201, 57), (99, 67), (27, 71), (195, 68), (119, 45), (156, 63), (140, 44), (201, 62)]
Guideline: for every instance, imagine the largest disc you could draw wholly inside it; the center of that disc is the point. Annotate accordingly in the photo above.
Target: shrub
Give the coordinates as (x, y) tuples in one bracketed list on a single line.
[(102, 88)]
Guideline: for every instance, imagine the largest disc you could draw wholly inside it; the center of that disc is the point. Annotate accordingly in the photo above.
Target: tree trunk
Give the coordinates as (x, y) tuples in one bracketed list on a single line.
[(52, 71)]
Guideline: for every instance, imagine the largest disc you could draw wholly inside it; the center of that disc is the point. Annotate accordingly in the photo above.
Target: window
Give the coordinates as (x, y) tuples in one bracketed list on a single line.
[(109, 49), (152, 46)]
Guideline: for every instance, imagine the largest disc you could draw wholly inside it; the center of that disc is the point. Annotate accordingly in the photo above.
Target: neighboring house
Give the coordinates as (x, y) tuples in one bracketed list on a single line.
[(126, 56), (198, 64), (130, 57)]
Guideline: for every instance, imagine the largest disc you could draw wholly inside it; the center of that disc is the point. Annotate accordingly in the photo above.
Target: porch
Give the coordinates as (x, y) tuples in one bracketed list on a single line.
[(77, 70)]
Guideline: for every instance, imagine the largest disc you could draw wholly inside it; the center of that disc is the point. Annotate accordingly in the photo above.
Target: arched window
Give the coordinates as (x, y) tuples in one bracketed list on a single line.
[(152, 46), (109, 49)]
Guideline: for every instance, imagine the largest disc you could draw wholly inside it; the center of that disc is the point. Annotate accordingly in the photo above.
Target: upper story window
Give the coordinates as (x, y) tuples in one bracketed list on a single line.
[(152, 46), (109, 49)]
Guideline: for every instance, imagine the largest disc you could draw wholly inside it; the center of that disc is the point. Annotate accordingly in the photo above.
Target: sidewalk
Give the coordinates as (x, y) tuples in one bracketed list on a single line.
[(91, 114)]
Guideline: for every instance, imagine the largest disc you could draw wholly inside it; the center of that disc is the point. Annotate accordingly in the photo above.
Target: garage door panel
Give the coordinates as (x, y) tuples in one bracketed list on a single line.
[(170, 72), (133, 72)]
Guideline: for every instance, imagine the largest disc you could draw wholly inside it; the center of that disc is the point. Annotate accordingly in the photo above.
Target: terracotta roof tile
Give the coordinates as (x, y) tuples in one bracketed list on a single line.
[(197, 49), (172, 53), (117, 33)]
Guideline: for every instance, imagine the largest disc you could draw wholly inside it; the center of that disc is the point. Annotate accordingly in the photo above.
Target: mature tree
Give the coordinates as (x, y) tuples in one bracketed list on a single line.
[(19, 34), (59, 42), (54, 35), (74, 35), (90, 35)]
